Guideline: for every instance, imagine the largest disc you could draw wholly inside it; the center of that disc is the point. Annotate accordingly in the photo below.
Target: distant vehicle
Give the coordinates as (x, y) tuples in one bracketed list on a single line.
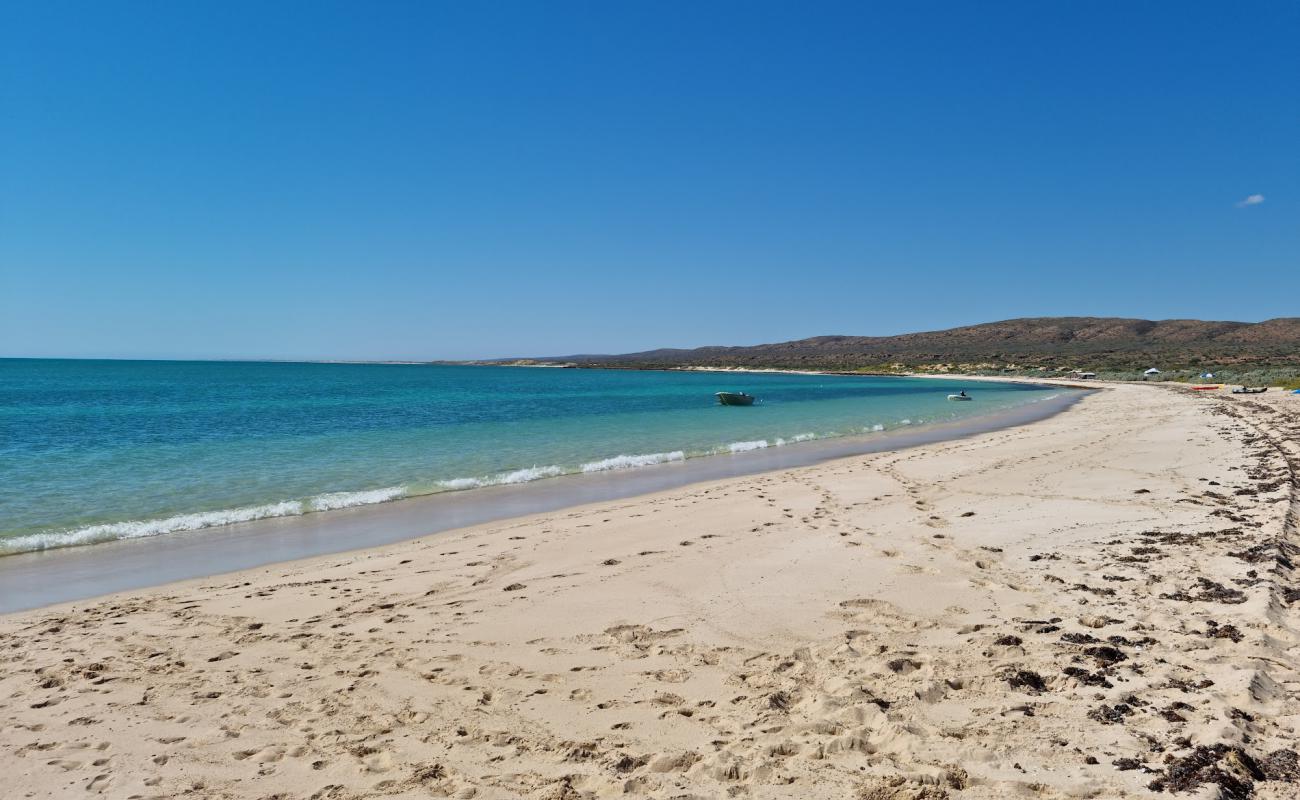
[(735, 399), (1250, 390)]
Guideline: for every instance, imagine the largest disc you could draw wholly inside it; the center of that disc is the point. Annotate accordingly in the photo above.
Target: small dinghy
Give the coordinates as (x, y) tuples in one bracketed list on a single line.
[(960, 396), (1250, 390), (735, 399)]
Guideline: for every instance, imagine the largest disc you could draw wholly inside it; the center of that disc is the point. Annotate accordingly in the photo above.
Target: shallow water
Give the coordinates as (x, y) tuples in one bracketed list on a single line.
[(94, 451)]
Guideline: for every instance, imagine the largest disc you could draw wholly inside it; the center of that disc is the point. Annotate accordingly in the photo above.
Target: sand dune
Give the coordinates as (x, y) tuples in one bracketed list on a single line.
[(1101, 604)]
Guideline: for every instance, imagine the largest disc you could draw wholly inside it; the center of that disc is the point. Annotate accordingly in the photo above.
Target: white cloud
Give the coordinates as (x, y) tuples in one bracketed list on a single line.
[(1253, 200)]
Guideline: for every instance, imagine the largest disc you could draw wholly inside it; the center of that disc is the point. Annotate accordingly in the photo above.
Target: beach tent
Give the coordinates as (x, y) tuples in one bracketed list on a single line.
[(1150, 372), (1207, 374)]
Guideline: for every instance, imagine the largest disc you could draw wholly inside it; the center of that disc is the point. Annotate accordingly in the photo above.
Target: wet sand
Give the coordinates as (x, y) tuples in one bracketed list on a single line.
[(1098, 604)]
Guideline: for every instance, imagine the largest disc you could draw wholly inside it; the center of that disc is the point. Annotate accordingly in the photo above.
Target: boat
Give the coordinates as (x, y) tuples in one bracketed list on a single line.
[(1206, 388), (735, 399), (1250, 390), (962, 396)]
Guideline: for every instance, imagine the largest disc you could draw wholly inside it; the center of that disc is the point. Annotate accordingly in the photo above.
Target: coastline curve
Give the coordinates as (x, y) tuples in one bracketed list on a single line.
[(48, 577)]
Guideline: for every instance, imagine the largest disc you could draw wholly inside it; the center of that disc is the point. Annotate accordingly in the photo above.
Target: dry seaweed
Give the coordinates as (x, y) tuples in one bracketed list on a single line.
[(1111, 715), (1231, 769), (1025, 679), (1209, 592)]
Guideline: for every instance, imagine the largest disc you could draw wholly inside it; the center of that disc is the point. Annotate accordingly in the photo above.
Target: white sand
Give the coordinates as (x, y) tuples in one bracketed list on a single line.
[(886, 626)]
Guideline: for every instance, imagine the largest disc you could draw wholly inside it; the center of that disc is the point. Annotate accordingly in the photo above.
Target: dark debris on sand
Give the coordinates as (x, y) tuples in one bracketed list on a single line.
[(779, 701), (1100, 592), (1124, 641), (1105, 655), (1281, 552), (1080, 638), (1125, 764), (1088, 678), (1188, 686), (1027, 680), (1214, 630), (1231, 769), (1173, 711), (1208, 592), (1111, 715), (1281, 765)]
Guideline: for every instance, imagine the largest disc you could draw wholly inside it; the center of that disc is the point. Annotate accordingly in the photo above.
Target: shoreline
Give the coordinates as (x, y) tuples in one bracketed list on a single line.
[(178, 520), (40, 578), (1100, 603)]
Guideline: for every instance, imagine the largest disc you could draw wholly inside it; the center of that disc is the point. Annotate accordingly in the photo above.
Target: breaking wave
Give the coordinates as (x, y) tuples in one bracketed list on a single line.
[(333, 500), (136, 529), (631, 462), (798, 437), (502, 479), (140, 529)]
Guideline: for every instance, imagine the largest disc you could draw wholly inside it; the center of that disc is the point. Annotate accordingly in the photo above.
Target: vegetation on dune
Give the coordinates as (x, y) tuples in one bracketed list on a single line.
[(1262, 353)]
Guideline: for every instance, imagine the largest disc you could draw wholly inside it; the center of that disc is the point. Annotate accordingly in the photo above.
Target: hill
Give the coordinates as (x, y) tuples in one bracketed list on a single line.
[(1095, 343)]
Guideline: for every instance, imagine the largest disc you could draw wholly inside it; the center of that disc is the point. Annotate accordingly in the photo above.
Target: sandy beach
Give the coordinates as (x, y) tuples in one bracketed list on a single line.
[(1099, 604)]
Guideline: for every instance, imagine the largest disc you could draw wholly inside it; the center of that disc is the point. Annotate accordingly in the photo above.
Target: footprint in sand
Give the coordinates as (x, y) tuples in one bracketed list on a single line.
[(99, 783), (65, 764)]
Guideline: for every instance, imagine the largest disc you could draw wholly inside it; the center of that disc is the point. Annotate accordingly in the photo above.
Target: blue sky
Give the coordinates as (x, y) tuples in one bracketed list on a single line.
[(424, 180)]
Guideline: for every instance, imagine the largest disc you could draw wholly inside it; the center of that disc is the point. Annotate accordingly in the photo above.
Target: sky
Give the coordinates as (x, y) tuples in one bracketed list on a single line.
[(422, 180)]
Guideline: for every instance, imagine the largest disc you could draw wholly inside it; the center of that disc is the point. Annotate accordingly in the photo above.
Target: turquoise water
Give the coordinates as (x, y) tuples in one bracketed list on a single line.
[(98, 450)]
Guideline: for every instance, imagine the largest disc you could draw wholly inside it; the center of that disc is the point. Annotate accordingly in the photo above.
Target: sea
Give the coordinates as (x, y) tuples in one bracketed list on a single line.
[(97, 451)]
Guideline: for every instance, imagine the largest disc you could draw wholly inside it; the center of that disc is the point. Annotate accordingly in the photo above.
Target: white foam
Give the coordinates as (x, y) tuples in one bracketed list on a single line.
[(456, 484), (798, 437), (877, 427), (631, 462), (741, 447), (905, 422), (333, 500), (529, 474), (137, 529), (518, 476)]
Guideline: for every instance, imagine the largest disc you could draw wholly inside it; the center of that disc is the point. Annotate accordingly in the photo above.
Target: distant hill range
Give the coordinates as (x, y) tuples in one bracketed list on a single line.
[(1092, 343)]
